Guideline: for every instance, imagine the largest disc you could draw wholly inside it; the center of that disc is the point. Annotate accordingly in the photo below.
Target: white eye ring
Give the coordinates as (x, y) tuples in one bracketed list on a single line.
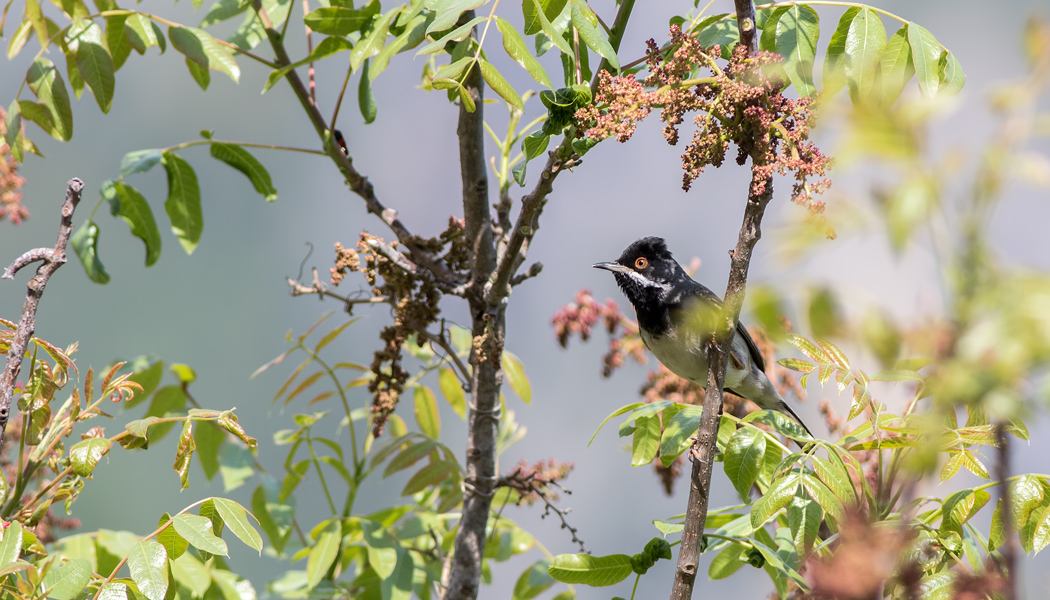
[(641, 262)]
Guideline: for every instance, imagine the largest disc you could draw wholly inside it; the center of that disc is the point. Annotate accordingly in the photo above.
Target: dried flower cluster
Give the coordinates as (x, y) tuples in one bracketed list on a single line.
[(742, 103), (10, 181), (414, 300)]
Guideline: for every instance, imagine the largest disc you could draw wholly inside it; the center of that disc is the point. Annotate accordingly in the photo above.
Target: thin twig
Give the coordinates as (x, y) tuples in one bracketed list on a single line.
[(531, 484), (442, 342), (358, 183), (52, 258), (322, 291), (561, 158)]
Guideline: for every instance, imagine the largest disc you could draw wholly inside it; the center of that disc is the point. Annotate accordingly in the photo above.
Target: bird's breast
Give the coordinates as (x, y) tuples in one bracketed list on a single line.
[(682, 355)]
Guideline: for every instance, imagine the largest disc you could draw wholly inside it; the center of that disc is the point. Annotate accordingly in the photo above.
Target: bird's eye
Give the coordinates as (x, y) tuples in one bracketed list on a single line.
[(641, 263)]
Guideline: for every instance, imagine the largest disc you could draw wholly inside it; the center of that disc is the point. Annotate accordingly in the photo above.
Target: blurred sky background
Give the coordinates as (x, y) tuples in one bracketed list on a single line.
[(225, 310)]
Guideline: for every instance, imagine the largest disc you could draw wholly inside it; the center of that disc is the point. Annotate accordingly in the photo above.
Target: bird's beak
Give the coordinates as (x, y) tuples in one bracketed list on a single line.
[(612, 266)]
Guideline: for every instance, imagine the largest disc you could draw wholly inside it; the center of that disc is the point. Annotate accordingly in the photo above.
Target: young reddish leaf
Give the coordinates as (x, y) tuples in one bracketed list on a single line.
[(185, 453)]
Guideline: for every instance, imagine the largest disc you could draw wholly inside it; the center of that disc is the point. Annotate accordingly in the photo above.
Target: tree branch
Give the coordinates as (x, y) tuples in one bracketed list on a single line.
[(703, 450), (488, 323), (562, 157), (358, 183), (53, 258)]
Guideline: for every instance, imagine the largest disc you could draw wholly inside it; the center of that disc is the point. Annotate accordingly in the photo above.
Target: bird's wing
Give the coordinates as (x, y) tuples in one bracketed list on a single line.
[(756, 354), (711, 299)]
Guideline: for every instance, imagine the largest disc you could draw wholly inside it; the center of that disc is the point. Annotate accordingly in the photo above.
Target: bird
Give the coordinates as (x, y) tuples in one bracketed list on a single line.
[(676, 317)]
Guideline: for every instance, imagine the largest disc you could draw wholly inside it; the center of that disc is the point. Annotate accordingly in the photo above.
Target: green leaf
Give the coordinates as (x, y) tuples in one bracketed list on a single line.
[(780, 422), (723, 33), (447, 12), (429, 476), (896, 67), (538, 17), (804, 518), (827, 500), (323, 553), (366, 101), (782, 491), (382, 550), (84, 455), (209, 438), (452, 390), (139, 161), (677, 433), (590, 35), (834, 475), (127, 203), (744, 458), (596, 571), (11, 546), (200, 47), (768, 40), (223, 10), (865, 43), (13, 135), (533, 581), (327, 47), (951, 78), (728, 561), (646, 440), (66, 581), (46, 83), (236, 465), (191, 573), (85, 244), (242, 160), (500, 85), (835, 59), (338, 20), (797, 31), (426, 410), (236, 518), (407, 457), (174, 544), (184, 201), (515, 374), (200, 74), (458, 34), (926, 54), (515, 46), (197, 530), (370, 45), (96, 67), (148, 564), (143, 33)]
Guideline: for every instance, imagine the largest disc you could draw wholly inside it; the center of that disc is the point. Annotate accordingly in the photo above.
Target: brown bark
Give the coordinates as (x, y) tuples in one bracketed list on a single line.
[(52, 258)]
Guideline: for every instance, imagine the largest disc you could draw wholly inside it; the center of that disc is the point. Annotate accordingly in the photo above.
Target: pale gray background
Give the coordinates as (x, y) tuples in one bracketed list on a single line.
[(225, 309)]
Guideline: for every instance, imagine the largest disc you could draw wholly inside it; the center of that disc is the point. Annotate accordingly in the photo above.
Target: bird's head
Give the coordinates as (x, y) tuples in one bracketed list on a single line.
[(646, 271)]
